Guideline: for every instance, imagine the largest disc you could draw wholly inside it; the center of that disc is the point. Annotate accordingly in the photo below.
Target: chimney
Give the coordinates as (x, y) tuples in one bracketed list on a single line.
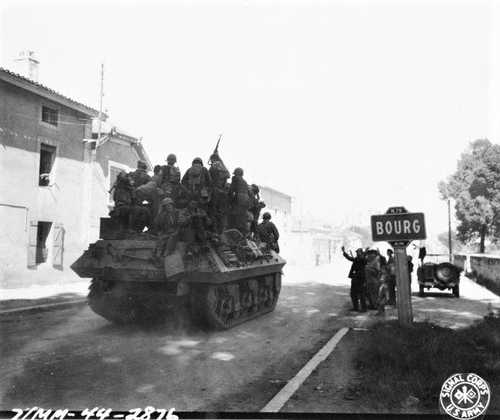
[(26, 65)]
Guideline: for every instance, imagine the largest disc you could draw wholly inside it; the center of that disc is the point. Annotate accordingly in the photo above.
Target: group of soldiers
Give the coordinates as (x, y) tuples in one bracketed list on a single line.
[(373, 279), (201, 203)]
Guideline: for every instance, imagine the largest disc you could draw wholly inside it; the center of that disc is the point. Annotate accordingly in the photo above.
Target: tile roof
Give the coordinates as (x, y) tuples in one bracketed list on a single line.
[(43, 90)]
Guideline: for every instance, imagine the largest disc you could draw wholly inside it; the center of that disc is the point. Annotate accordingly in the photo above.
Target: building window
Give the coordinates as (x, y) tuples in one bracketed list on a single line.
[(45, 236), (50, 115), (47, 158), (43, 230)]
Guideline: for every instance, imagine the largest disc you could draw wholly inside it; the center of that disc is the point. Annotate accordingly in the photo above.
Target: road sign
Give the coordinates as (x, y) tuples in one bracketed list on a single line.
[(398, 227)]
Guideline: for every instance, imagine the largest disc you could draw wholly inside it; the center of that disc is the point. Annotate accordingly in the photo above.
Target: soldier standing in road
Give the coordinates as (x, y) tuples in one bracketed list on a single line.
[(357, 276), (391, 277), (268, 232), (372, 277), (383, 291), (422, 252), (410, 268), (239, 202)]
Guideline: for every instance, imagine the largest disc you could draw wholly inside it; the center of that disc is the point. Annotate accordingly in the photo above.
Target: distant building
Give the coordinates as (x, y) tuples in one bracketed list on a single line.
[(314, 242), (54, 180), (279, 205)]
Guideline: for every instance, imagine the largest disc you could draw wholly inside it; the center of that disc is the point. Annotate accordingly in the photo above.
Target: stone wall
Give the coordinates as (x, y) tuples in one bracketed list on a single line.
[(484, 269)]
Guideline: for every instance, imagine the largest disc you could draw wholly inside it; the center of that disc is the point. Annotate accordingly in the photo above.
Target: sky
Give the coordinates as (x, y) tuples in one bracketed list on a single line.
[(350, 107)]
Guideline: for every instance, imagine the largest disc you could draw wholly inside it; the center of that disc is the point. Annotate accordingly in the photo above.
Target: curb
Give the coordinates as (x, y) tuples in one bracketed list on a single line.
[(280, 399), (35, 308)]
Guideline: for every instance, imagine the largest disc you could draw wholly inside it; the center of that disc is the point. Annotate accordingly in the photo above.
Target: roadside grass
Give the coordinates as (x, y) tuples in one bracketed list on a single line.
[(403, 367)]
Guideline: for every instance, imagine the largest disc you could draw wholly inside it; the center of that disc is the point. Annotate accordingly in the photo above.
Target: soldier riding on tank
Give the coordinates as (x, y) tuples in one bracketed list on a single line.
[(166, 226), (255, 207), (172, 251), (123, 198), (197, 180), (171, 177), (239, 202), (268, 232), (140, 175), (219, 202)]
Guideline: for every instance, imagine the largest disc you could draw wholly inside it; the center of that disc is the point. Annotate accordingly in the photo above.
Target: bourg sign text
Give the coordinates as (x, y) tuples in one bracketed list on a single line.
[(398, 227)]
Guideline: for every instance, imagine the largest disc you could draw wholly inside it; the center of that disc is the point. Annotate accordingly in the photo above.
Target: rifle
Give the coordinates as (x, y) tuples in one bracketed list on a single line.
[(216, 150)]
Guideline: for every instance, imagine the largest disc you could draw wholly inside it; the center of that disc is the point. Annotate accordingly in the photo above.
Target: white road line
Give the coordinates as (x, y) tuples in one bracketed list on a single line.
[(289, 389), (46, 305)]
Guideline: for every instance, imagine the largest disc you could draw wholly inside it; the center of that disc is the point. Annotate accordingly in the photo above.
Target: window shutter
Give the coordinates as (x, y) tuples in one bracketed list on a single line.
[(58, 246), (32, 241)]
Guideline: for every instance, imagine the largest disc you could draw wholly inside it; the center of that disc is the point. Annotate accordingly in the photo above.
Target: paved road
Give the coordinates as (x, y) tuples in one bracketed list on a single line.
[(73, 358)]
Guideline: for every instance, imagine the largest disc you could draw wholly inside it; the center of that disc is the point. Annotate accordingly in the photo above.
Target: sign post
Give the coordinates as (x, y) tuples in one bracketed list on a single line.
[(403, 292), (399, 228)]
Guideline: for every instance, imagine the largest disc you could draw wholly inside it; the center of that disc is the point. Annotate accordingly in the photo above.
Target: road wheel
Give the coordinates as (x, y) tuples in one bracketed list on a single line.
[(421, 290), (456, 291)]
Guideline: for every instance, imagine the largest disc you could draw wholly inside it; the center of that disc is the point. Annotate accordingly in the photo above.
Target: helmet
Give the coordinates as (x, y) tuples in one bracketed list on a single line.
[(197, 160), (171, 158), (238, 171), (266, 216), (167, 201)]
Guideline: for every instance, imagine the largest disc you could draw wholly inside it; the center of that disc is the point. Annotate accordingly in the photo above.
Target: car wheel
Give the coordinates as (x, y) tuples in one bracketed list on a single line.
[(421, 290), (456, 291)]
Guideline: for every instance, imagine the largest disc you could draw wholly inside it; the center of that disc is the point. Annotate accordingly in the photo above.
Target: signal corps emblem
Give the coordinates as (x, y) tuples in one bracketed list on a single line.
[(464, 396)]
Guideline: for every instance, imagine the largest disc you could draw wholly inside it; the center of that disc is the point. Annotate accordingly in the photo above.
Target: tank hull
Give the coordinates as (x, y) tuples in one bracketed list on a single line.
[(218, 287)]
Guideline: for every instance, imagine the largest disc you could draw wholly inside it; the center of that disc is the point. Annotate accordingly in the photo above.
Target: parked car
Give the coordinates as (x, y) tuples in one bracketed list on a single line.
[(442, 276)]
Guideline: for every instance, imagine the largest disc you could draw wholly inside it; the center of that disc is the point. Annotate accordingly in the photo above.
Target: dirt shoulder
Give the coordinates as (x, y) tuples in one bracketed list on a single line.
[(370, 373)]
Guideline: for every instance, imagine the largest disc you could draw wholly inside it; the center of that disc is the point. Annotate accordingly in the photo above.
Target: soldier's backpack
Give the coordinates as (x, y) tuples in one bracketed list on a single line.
[(194, 177)]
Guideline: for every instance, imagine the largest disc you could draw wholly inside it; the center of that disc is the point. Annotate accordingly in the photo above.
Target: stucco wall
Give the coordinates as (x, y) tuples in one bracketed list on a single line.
[(22, 200), (76, 197)]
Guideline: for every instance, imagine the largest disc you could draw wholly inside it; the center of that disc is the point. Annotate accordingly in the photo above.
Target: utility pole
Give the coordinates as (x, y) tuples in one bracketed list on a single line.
[(101, 94), (449, 233)]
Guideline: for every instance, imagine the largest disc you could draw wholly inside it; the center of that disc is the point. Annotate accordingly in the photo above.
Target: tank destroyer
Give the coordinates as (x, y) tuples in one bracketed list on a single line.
[(218, 279)]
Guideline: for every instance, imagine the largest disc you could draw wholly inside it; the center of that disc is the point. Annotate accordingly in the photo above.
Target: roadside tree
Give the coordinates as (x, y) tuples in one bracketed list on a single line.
[(475, 187)]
